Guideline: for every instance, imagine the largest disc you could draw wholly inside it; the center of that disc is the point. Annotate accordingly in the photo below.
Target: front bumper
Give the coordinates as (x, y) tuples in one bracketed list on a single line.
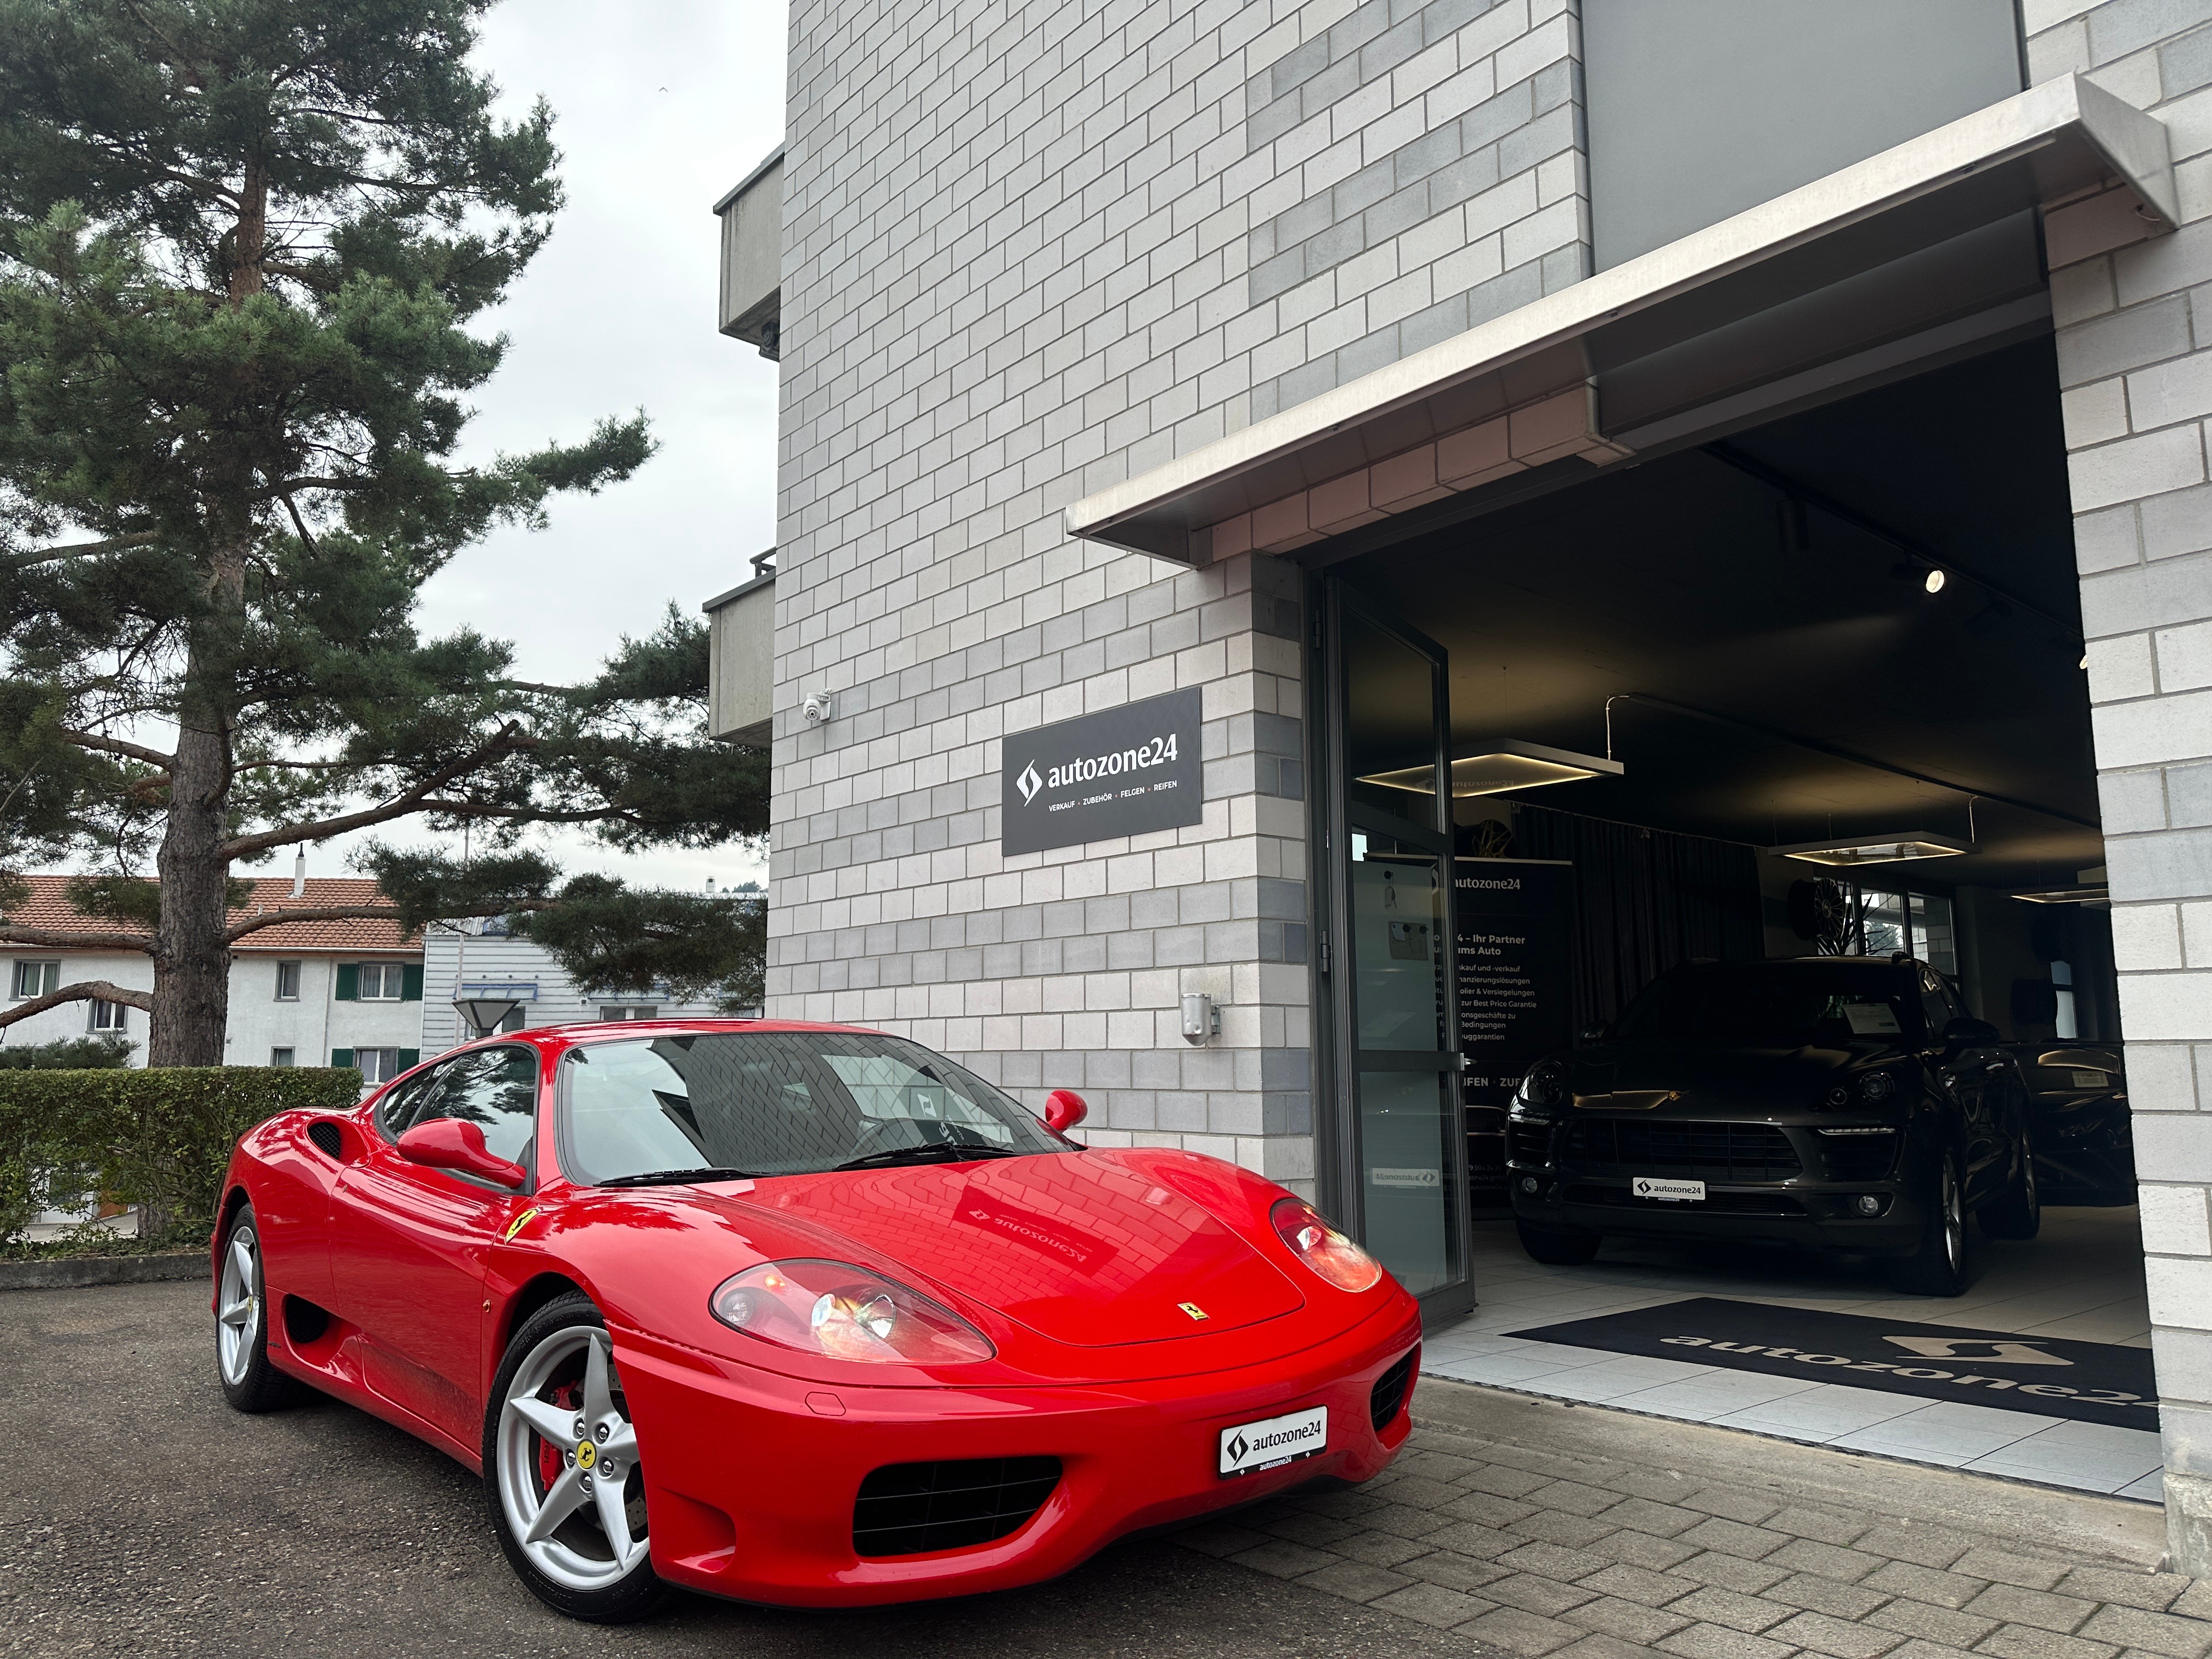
[(750, 1487), (1807, 1197)]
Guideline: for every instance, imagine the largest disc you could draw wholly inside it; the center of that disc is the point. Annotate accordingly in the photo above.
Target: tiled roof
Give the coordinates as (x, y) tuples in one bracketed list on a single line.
[(47, 905)]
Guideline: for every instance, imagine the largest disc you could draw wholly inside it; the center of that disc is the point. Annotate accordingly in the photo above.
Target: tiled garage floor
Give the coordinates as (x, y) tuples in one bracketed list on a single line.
[(2082, 1279)]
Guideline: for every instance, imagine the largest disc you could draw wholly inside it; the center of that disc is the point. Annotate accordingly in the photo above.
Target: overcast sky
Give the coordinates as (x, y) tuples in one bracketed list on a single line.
[(662, 105)]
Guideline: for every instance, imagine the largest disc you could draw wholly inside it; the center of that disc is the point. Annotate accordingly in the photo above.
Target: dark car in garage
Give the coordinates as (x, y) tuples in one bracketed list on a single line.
[(2078, 1105), (1842, 1102)]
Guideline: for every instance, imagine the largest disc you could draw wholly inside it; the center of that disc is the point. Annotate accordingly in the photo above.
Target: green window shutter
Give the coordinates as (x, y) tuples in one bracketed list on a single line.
[(348, 987), (411, 989), (341, 1057), (410, 1057)]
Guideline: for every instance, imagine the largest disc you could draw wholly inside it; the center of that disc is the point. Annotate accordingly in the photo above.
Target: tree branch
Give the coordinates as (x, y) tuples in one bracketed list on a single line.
[(508, 739), (60, 938), (85, 990), (386, 911), (117, 746), (83, 550)]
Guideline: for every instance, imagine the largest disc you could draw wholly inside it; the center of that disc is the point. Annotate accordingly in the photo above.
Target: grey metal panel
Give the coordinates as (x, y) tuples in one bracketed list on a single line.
[(1699, 109), (753, 257), (741, 664)]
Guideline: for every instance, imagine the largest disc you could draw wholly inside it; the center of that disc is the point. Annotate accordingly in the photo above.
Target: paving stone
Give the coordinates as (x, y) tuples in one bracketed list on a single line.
[(1419, 1492), (1666, 1520), (1405, 1521), (1469, 1539), (1381, 1549), (1731, 1504), (1737, 1539), (2028, 1571), (1846, 1566), (2013, 1605), (2158, 1632), (1917, 1649), (1453, 1570), (1925, 1546), (1220, 1538), (1931, 1623), (1552, 1562), (1845, 1638), (1523, 1633), (1318, 1530), (1630, 1621), (1602, 1646), (1281, 1559), (1642, 1549), (1738, 1612), (1639, 1585), (1357, 1502), (1485, 1509), (1505, 1482), (1356, 1581), (1438, 1465), (1819, 1525), (1432, 1604), (1946, 1589), (2027, 1642), (1729, 1572), (1568, 1531), (1660, 1486), (1809, 1590), (1574, 1497), (1531, 1594), (2196, 1601), (1718, 1642), (2155, 1590)]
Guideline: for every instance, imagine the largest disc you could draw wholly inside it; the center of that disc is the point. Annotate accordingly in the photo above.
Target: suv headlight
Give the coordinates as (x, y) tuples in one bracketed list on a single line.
[(1878, 1088), (1544, 1086)]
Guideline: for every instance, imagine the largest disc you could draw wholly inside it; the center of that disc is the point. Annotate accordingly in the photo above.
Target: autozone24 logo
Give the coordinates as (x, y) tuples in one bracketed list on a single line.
[(1115, 763), (1996, 1352)]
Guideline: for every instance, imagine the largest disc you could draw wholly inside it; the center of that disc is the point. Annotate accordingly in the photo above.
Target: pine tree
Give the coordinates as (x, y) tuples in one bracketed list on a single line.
[(242, 245)]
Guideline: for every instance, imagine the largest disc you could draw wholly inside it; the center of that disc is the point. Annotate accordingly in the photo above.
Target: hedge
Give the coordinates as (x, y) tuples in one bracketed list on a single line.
[(159, 1139)]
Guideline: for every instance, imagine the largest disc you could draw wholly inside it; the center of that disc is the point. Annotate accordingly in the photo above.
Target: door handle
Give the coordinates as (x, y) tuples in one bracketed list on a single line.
[(1995, 1066)]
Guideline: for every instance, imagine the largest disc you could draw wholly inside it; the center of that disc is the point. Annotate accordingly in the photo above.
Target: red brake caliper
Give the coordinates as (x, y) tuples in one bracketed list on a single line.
[(552, 1459)]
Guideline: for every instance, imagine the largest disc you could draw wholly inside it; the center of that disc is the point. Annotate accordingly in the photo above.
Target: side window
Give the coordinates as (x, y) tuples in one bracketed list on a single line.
[(402, 1106), (495, 1089), (1936, 1005)]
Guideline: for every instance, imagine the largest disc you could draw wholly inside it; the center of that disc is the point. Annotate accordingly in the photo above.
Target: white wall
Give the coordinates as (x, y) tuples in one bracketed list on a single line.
[(494, 960)]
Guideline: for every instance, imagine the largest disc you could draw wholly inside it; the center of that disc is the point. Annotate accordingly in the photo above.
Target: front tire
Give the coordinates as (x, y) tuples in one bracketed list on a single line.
[(561, 1470), (1938, 1266), (1556, 1249), (2017, 1212), (250, 1383)]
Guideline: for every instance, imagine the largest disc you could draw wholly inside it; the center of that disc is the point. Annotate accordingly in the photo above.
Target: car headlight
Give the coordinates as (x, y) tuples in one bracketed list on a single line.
[(1877, 1087), (839, 1311), (1323, 1249), (1546, 1085)]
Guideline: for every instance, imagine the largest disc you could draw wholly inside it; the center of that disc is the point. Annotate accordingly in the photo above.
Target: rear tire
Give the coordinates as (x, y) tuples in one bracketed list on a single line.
[(2017, 1212), (249, 1382), (1938, 1266), (1556, 1249)]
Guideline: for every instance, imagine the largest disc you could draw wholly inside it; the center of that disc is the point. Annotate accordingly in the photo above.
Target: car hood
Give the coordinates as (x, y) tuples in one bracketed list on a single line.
[(1083, 1248), (1668, 1077)]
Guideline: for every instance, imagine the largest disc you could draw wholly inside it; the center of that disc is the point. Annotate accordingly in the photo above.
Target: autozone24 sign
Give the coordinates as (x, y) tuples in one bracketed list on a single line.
[(1122, 771)]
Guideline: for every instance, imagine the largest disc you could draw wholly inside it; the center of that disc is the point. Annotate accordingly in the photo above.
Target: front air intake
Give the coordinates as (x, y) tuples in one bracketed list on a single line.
[(1388, 1398), (916, 1508)]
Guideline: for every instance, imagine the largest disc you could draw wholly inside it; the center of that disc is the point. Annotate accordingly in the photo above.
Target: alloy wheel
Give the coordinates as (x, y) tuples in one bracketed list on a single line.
[(1954, 1217), (238, 1306), (568, 1463)]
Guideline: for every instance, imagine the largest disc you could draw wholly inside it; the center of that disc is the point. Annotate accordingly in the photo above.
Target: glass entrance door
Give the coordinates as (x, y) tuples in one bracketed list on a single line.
[(1399, 1160)]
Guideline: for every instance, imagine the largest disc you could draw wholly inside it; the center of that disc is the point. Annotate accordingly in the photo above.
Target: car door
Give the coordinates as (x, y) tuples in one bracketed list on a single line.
[(408, 1243), (1974, 1073)]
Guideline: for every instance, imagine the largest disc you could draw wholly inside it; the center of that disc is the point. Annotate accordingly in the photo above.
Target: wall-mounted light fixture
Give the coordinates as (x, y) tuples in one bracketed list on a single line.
[(1201, 1020), (1503, 763), (820, 706), (1874, 849)]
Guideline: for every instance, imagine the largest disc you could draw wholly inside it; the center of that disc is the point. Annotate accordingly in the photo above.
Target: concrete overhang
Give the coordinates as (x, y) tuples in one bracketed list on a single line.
[(1520, 392)]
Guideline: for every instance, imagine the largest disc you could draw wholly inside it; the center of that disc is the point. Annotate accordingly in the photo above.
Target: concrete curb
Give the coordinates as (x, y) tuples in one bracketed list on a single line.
[(77, 1272)]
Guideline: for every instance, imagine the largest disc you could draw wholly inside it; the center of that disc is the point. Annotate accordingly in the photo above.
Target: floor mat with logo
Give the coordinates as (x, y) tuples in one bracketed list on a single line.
[(2095, 1382)]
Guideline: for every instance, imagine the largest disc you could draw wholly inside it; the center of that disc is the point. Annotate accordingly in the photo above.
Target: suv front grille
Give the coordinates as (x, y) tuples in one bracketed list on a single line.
[(1698, 1152), (1391, 1388), (1527, 1142), (913, 1509), (1858, 1157)]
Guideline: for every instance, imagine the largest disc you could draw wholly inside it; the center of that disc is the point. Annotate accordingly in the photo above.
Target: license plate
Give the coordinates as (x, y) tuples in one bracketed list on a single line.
[(1268, 1445), (1668, 1191)]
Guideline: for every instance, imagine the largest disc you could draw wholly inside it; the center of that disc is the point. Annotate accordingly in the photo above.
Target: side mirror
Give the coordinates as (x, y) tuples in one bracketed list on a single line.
[(1597, 1033), (448, 1143), (1964, 1033), (1064, 1110)]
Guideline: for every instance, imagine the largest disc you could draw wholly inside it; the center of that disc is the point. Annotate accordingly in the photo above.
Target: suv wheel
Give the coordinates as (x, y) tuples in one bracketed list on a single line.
[(1938, 1266), (2017, 1212)]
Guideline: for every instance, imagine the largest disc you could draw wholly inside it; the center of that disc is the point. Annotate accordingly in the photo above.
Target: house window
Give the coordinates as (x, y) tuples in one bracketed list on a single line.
[(513, 1021), (2067, 1024), (381, 982), (108, 1016), (629, 1011), (281, 1057), (288, 982), (36, 979), (377, 1064)]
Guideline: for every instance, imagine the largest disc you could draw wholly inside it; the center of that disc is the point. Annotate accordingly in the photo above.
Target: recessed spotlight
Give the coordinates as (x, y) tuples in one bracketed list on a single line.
[(1934, 580)]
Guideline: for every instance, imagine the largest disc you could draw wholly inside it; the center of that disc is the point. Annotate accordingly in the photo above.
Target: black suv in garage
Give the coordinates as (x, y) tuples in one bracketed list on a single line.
[(1846, 1103)]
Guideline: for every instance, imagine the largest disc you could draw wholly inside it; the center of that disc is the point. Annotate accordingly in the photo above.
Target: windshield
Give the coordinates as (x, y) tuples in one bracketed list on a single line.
[(1799, 1005), (776, 1103)]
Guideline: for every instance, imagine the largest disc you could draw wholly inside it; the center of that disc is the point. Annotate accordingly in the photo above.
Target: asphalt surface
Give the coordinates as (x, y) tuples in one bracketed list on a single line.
[(140, 1515)]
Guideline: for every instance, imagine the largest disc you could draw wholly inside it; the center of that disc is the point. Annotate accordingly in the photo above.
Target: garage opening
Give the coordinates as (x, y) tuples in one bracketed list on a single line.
[(1712, 852)]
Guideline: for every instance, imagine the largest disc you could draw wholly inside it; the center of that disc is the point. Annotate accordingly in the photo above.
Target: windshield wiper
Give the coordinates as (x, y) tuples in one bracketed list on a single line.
[(930, 1151), (677, 1177)]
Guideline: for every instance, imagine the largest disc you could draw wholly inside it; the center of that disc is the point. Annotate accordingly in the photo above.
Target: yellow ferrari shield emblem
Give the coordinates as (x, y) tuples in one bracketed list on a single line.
[(586, 1454), (1192, 1309), (518, 1225)]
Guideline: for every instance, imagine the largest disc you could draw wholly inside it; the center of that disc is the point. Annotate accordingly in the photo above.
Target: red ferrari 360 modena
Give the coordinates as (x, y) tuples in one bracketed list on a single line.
[(803, 1314)]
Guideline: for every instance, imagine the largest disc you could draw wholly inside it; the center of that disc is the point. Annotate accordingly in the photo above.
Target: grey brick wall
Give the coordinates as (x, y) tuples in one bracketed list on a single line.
[(1029, 251), (2135, 349)]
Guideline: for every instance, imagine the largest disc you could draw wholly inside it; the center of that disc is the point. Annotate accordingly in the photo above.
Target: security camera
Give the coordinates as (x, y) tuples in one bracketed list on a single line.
[(819, 706)]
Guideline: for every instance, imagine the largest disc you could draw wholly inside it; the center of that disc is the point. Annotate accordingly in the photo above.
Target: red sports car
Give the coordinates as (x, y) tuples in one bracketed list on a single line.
[(798, 1314)]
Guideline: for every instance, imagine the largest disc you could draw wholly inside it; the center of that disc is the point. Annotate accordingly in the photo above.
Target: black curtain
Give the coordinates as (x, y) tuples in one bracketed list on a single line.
[(1646, 900)]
